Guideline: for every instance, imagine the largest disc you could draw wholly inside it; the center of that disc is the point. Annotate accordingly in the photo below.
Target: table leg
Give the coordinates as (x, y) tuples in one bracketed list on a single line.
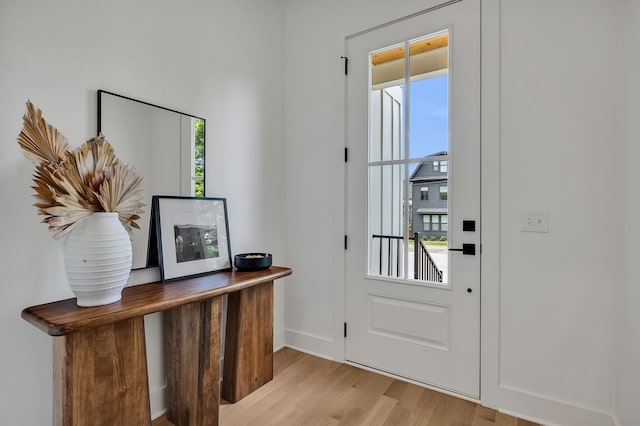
[(248, 355), (100, 376), (192, 356)]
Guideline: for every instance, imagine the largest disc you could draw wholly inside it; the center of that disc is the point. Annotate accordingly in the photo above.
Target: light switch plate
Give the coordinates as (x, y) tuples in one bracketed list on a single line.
[(534, 221)]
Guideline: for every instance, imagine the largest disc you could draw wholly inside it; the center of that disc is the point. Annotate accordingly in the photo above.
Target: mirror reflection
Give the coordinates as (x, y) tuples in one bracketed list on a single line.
[(165, 146)]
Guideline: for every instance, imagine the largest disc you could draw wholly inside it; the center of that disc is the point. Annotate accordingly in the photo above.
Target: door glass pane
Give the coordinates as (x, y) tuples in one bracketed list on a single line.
[(386, 208), (428, 112), (408, 160), (429, 97), (386, 138)]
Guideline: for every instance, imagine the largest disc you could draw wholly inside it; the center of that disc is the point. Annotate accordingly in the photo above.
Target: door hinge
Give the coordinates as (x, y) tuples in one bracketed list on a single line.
[(345, 329), (346, 154), (346, 64), (345, 242)]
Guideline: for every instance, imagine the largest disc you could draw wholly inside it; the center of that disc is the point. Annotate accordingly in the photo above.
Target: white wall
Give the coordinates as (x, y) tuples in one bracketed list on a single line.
[(557, 124), (549, 323), (628, 296), (215, 59)]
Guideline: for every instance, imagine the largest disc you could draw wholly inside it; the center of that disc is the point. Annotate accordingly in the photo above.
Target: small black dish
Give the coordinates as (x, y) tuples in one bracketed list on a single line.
[(252, 261)]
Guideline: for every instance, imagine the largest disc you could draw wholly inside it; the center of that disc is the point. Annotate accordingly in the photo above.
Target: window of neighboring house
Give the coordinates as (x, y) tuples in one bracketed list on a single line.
[(426, 222), (444, 192), (440, 166), (435, 222), (424, 193)]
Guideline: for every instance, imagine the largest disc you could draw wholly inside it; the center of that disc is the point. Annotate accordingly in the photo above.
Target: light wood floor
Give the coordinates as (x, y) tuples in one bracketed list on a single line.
[(307, 390)]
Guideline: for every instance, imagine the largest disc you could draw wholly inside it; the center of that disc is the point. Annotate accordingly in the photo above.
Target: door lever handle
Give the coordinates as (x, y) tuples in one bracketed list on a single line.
[(467, 248)]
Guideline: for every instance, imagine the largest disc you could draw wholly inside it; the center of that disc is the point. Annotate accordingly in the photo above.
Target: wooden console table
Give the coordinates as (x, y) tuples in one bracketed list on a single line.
[(99, 353)]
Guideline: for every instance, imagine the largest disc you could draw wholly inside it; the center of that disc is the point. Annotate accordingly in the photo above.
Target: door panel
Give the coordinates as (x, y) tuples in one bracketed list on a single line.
[(402, 320), (422, 323)]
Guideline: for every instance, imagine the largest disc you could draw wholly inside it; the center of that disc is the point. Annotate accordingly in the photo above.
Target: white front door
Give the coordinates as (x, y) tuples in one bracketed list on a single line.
[(413, 179)]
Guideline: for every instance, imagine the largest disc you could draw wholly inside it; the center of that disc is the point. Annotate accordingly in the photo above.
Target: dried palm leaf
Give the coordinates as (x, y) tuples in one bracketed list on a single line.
[(69, 186), (94, 161), (45, 186), (123, 194), (41, 142), (65, 216), (52, 180), (60, 200)]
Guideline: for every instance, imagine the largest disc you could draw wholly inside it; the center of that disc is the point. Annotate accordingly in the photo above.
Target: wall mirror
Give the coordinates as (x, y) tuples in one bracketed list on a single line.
[(165, 146)]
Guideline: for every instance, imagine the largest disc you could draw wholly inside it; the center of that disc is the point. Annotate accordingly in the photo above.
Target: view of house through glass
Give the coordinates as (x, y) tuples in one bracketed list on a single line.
[(409, 160)]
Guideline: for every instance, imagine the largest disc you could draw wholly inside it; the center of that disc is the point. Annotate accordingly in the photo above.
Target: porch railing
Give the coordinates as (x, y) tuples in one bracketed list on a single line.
[(389, 258), (389, 254), (424, 267)]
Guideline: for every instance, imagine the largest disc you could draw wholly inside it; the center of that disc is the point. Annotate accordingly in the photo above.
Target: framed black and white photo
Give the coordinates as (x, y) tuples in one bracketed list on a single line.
[(192, 236)]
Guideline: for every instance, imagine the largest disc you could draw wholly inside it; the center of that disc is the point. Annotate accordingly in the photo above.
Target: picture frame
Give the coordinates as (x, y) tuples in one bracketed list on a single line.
[(192, 236)]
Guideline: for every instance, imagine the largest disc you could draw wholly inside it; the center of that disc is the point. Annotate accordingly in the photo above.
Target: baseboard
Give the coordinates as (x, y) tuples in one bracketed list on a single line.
[(616, 421), (278, 340), (309, 343), (550, 412)]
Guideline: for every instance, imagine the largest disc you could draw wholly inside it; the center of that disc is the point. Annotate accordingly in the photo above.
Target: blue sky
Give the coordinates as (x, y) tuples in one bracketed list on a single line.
[(428, 110)]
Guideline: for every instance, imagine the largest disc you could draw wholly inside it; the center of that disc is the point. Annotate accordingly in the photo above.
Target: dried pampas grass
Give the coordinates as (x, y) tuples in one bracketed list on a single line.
[(70, 185)]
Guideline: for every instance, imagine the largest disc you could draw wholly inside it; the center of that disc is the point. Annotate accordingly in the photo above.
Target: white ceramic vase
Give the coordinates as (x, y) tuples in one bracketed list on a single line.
[(97, 258)]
